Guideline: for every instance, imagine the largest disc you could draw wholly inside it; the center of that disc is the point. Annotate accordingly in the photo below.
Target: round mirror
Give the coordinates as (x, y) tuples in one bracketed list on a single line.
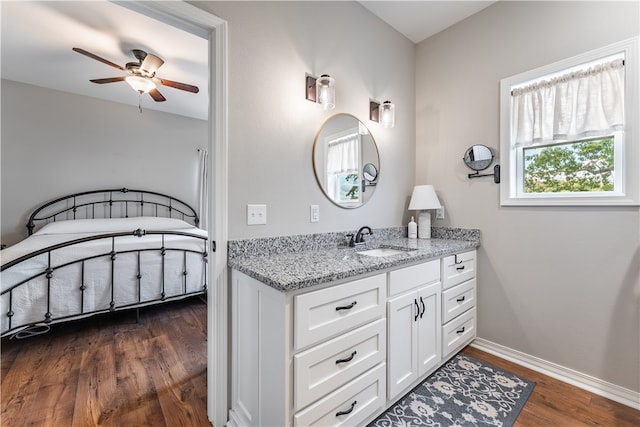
[(346, 161), (478, 157)]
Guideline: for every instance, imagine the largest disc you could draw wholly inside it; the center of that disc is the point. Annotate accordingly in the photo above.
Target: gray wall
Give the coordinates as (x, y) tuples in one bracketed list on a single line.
[(556, 283), (56, 143), (272, 127)]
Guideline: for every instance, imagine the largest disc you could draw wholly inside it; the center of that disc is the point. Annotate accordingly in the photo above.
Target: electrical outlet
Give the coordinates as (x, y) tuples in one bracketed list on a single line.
[(440, 213), (256, 214), (315, 213)]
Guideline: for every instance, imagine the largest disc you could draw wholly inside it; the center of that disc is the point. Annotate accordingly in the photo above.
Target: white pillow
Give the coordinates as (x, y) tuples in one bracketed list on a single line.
[(113, 225)]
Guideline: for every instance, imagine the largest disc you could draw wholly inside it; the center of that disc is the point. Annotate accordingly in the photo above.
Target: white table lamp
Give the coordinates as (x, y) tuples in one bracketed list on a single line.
[(424, 197)]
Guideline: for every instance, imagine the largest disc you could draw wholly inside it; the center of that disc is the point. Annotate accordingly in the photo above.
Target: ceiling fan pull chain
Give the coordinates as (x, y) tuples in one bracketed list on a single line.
[(140, 102)]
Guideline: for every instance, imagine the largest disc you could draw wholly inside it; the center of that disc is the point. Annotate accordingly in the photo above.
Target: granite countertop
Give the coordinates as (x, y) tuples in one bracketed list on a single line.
[(298, 270)]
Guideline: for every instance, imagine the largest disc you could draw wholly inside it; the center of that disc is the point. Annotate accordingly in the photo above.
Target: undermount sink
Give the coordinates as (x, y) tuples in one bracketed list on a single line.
[(380, 252)]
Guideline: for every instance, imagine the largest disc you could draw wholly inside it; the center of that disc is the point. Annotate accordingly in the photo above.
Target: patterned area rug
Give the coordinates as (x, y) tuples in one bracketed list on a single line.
[(463, 392)]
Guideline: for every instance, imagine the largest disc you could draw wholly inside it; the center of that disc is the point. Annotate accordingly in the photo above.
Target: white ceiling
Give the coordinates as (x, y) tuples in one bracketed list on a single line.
[(418, 20), (37, 37)]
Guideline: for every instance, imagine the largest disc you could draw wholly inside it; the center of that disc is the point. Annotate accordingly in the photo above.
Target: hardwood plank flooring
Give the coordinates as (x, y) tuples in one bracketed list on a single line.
[(556, 403), (110, 371)]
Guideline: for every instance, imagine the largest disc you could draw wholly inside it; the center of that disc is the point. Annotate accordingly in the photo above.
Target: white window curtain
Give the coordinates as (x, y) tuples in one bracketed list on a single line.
[(202, 204), (343, 157), (583, 103)]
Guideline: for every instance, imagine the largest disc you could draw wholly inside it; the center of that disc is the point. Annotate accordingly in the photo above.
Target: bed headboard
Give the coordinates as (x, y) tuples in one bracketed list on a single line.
[(112, 203)]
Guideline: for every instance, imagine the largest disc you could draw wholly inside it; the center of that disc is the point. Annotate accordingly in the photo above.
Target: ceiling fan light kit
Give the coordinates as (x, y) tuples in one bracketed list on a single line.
[(141, 75)]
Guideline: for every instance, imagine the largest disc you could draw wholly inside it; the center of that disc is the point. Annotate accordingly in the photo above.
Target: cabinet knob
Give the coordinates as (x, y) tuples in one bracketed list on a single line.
[(347, 359), (347, 307), (348, 411)]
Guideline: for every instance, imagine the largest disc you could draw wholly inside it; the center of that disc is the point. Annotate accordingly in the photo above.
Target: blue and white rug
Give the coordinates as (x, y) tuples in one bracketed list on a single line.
[(463, 392)]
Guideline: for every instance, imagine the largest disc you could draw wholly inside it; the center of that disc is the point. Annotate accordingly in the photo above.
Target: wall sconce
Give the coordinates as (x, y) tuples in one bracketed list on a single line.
[(384, 113), (321, 90)]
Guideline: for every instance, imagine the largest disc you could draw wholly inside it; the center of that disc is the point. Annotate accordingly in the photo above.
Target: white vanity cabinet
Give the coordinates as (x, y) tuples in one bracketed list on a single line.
[(458, 302), (413, 312), (340, 353), (308, 358)]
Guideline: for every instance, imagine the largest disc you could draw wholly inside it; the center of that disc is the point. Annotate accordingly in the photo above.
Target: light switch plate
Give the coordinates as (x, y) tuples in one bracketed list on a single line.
[(256, 214), (315, 213), (440, 213)]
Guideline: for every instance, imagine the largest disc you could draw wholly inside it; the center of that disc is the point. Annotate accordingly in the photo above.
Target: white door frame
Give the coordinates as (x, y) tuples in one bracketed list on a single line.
[(200, 22)]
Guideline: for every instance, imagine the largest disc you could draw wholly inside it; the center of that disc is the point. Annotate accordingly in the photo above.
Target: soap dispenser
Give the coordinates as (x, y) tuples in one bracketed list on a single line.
[(413, 229)]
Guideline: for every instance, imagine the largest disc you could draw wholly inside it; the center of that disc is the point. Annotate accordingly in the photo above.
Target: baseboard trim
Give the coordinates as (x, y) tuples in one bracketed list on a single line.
[(578, 379)]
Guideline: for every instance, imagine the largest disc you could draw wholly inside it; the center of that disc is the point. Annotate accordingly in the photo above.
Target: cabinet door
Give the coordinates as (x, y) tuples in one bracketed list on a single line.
[(402, 334), (429, 328)]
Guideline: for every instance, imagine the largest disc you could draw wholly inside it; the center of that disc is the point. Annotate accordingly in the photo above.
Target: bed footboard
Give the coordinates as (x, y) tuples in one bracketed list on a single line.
[(101, 273)]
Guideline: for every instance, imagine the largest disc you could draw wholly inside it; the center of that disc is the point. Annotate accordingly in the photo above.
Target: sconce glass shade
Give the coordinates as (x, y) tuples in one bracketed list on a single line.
[(424, 197), (140, 84), (388, 114), (326, 91)]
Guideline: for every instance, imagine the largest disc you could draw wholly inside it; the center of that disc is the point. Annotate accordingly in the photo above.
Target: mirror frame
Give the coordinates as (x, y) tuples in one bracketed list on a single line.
[(467, 163), (360, 179)]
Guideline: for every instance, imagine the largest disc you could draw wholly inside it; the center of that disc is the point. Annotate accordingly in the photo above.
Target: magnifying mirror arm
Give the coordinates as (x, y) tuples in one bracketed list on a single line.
[(495, 174), (366, 184)]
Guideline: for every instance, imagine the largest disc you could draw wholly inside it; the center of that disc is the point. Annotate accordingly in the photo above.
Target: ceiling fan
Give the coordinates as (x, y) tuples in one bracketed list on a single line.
[(141, 75)]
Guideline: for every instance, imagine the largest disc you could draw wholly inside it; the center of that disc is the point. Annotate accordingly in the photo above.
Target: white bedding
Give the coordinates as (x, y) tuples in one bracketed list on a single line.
[(29, 301)]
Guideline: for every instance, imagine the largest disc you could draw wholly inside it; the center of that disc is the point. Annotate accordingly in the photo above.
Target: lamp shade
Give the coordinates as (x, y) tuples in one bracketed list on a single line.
[(326, 91), (424, 197), (140, 84)]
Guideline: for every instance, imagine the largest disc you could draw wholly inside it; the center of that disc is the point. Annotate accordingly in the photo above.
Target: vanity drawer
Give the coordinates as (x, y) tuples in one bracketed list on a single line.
[(459, 332), (458, 268), (408, 278), (350, 405), (326, 313), (327, 366), (458, 299)]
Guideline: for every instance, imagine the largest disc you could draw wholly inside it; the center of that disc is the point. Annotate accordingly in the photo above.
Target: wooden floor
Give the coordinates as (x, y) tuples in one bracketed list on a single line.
[(555, 403), (114, 372), (111, 371)]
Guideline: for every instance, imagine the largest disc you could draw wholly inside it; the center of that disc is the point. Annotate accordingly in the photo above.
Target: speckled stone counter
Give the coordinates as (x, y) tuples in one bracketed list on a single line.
[(295, 262)]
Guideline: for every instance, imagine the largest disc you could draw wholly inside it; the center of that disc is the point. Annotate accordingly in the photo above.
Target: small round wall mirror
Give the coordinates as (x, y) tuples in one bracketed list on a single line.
[(369, 172), (346, 161), (478, 157)]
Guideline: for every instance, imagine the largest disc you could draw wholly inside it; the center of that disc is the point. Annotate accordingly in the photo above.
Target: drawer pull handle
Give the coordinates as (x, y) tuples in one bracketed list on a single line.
[(460, 331), (347, 307), (423, 307), (415, 319), (460, 268), (347, 359), (460, 299), (348, 411)]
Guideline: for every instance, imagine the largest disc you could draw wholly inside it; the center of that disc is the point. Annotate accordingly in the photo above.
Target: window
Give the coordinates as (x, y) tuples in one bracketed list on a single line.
[(569, 131), (343, 163)]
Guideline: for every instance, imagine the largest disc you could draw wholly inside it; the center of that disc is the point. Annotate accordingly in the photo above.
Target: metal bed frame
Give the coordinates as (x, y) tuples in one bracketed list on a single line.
[(110, 203)]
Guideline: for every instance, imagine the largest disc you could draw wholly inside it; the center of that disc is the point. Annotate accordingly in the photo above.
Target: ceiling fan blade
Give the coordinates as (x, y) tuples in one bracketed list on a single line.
[(156, 95), (97, 58), (178, 85), (151, 64), (108, 80)]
